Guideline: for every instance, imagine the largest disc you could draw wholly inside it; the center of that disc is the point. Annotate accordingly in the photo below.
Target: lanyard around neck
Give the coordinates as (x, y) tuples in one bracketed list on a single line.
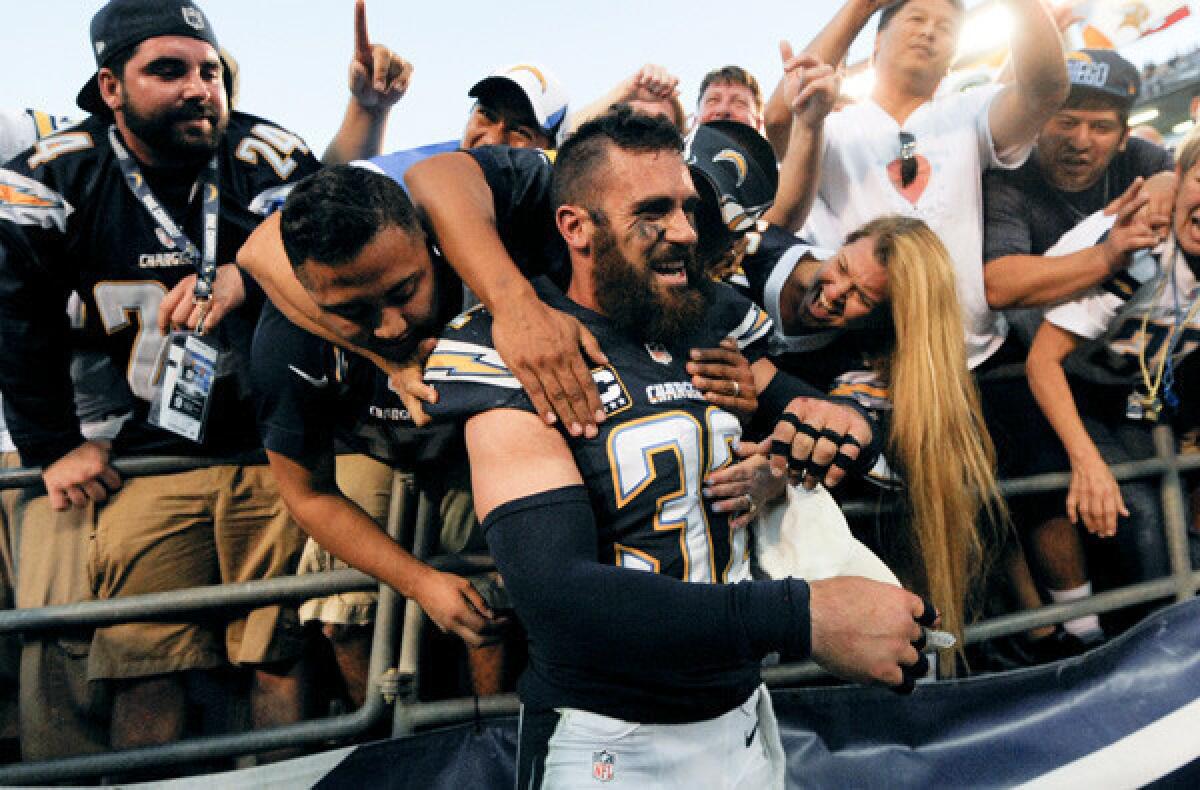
[(210, 195)]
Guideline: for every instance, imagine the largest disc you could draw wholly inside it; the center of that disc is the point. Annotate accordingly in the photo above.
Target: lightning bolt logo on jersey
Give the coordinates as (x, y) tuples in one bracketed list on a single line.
[(645, 470)]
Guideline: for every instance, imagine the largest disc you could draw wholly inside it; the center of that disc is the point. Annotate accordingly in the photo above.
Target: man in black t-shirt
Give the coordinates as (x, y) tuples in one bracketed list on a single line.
[(1085, 161)]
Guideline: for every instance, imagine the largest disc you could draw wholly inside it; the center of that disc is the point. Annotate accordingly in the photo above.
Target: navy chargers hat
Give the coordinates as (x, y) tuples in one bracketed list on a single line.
[(1104, 72), (736, 175), (123, 24)]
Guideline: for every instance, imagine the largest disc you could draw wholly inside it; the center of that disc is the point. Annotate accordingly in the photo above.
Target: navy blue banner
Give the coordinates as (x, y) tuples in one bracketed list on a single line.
[(1124, 715)]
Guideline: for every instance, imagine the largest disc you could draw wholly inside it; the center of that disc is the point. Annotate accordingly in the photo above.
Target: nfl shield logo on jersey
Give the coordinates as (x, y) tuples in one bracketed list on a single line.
[(659, 353), (602, 766)]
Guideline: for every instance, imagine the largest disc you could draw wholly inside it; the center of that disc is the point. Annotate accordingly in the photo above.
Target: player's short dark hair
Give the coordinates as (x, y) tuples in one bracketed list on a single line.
[(331, 215), (885, 16), (732, 75), (583, 156)]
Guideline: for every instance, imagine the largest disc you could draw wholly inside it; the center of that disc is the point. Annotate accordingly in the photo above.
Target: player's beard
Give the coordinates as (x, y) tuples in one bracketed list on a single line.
[(633, 299), (162, 133)]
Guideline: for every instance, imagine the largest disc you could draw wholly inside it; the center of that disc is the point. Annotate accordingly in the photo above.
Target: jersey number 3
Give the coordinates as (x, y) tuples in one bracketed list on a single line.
[(632, 449)]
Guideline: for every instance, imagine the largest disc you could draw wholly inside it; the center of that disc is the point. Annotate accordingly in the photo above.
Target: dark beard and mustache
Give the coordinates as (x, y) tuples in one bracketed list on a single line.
[(632, 298), (169, 141)]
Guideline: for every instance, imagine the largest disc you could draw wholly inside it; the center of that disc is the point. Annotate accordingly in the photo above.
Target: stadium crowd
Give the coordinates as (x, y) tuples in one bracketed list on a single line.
[(626, 349)]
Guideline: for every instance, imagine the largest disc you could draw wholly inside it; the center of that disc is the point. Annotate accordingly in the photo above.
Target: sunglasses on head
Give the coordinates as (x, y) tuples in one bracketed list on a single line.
[(908, 158)]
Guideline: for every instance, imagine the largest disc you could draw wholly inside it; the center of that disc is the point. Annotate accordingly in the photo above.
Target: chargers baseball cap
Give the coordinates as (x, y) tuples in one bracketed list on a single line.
[(123, 24), (546, 96), (1104, 72), (736, 175)]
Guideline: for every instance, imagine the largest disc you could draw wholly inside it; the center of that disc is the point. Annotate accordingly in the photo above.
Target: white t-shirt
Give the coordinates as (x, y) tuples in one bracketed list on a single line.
[(953, 134), (1157, 291)]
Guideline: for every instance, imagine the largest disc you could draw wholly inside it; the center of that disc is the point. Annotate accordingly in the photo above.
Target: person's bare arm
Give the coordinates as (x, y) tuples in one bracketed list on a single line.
[(346, 531), (810, 88), (540, 345), (378, 79), (1039, 280), (1094, 495), (649, 83), (1040, 84), (829, 46)]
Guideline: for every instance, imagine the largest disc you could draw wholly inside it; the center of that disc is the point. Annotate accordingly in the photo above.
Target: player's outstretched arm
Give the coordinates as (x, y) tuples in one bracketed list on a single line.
[(868, 631), (540, 345), (345, 530)]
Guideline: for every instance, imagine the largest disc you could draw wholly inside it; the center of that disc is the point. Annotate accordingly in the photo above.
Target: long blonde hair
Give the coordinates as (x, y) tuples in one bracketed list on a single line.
[(937, 437)]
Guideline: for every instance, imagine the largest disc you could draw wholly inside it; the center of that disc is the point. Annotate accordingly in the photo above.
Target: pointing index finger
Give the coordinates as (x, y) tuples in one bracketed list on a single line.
[(362, 41)]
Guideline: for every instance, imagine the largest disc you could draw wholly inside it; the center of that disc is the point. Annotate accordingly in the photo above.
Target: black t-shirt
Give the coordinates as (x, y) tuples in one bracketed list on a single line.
[(1025, 215), (643, 473), (520, 182), (315, 399), (69, 222)]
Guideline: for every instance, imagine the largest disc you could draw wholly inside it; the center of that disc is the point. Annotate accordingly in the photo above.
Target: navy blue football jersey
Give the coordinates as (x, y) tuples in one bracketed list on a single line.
[(645, 469), (69, 222)]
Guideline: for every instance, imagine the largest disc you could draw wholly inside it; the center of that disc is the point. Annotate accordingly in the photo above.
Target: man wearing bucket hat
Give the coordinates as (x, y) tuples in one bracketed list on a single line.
[(148, 199)]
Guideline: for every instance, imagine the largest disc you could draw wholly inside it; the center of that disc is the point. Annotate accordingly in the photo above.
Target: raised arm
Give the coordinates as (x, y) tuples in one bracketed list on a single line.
[(830, 46), (1040, 79), (540, 345), (1094, 495), (1039, 280), (378, 79), (650, 83), (810, 88)]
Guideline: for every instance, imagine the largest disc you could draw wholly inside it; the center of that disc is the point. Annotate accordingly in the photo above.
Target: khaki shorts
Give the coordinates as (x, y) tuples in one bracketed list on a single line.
[(61, 714), (209, 526), (368, 484)]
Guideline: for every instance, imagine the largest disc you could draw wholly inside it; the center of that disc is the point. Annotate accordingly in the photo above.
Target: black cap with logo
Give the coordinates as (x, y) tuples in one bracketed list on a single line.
[(123, 24), (1104, 72)]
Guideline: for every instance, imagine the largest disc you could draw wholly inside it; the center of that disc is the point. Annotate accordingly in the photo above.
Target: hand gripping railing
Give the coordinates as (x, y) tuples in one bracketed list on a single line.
[(244, 595)]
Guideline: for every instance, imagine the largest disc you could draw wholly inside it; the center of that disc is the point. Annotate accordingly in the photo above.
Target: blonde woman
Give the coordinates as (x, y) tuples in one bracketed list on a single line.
[(879, 321)]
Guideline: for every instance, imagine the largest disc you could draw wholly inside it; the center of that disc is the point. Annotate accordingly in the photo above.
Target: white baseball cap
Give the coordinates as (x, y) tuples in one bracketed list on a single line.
[(546, 96)]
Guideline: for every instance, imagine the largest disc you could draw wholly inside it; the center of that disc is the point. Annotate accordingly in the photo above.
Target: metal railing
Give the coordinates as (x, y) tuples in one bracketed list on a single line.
[(397, 678)]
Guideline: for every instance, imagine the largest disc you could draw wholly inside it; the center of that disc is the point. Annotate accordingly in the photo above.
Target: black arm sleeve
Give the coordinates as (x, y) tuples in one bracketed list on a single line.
[(576, 609)]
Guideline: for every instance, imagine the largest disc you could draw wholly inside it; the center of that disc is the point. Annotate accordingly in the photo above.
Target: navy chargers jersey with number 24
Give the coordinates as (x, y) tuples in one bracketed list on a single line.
[(645, 470)]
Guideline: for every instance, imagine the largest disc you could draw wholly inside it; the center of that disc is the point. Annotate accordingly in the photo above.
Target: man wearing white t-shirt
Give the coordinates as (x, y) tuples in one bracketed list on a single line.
[(1109, 364), (903, 151)]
